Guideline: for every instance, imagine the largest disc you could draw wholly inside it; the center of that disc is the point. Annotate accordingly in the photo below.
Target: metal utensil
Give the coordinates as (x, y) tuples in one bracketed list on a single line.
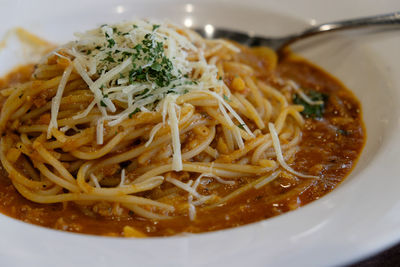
[(280, 43)]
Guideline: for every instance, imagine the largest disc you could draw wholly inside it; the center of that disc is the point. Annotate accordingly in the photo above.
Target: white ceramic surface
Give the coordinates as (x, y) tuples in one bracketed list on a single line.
[(359, 218)]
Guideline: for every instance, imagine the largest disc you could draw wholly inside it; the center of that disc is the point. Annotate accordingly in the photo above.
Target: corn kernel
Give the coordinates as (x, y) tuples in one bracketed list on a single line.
[(238, 84), (132, 232), (267, 163), (13, 155), (222, 147)]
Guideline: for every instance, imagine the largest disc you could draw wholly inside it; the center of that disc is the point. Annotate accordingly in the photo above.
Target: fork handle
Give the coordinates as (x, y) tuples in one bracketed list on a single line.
[(385, 19)]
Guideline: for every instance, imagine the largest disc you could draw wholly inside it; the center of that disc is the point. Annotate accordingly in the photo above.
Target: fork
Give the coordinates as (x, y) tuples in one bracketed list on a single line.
[(280, 43)]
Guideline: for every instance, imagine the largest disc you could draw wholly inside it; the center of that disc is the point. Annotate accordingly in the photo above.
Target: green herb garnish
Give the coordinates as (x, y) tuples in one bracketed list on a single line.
[(133, 113), (111, 42), (227, 99), (159, 68), (241, 126), (312, 111), (109, 58), (156, 66), (343, 132)]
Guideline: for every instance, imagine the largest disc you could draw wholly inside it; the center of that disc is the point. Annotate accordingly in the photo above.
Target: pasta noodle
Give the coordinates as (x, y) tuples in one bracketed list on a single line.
[(143, 115), (46, 158)]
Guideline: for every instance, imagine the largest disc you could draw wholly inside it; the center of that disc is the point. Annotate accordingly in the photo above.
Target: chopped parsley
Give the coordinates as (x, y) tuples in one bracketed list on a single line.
[(111, 42), (312, 111), (158, 67), (145, 91), (241, 126), (109, 58), (133, 113), (227, 99), (343, 132), (147, 62), (126, 54)]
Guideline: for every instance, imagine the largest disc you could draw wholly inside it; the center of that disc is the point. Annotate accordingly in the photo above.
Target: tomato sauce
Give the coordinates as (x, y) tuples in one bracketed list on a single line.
[(329, 148)]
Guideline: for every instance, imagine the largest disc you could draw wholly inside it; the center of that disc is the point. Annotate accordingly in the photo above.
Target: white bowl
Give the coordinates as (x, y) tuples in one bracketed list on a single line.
[(359, 218)]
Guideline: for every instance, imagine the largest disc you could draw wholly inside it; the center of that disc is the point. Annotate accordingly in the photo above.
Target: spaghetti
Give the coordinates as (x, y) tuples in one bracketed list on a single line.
[(152, 119)]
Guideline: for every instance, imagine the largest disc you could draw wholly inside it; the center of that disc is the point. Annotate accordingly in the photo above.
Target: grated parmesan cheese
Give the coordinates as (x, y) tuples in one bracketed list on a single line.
[(95, 180), (191, 188), (279, 156), (122, 182), (176, 143), (55, 102), (153, 132)]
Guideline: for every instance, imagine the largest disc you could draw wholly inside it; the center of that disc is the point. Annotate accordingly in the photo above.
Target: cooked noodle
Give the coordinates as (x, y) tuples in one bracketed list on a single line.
[(80, 131)]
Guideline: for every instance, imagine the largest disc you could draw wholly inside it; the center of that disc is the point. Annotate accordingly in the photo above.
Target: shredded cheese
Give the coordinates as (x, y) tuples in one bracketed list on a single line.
[(267, 179), (191, 188), (183, 186), (279, 156), (122, 182), (211, 175), (55, 102), (86, 111), (192, 208), (95, 180), (153, 132), (232, 111), (143, 66), (100, 131), (176, 143)]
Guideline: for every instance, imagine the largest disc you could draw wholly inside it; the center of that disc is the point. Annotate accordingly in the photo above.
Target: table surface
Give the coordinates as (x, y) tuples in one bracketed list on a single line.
[(389, 257)]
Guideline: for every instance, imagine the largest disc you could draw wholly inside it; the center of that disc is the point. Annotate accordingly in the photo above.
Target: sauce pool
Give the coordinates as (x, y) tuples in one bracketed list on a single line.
[(329, 148)]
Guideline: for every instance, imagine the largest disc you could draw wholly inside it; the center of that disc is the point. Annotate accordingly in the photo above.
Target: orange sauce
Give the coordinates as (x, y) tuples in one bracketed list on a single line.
[(329, 148)]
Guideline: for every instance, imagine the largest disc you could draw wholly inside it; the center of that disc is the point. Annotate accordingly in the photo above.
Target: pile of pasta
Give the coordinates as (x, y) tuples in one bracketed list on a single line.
[(67, 137)]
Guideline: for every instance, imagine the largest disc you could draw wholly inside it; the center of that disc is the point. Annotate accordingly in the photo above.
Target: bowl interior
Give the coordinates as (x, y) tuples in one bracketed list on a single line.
[(342, 55)]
